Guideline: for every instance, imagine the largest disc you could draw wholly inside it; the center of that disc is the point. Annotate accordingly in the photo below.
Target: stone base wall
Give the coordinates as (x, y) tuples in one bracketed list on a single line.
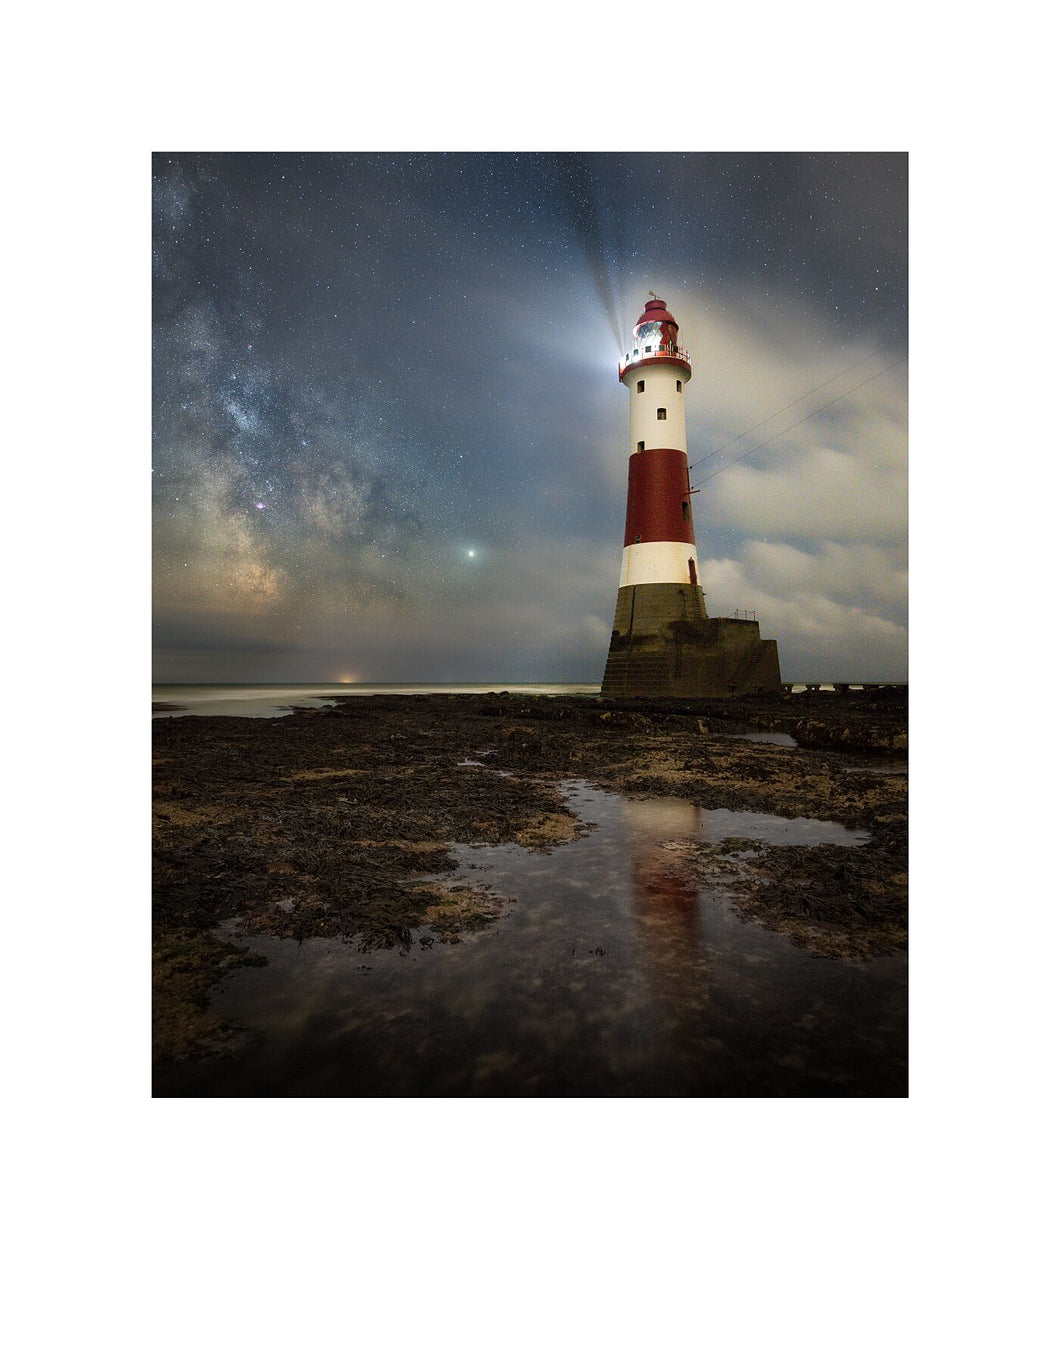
[(663, 644)]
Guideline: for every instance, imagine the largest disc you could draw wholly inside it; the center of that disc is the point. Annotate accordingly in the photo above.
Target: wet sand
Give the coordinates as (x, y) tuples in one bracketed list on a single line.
[(350, 825)]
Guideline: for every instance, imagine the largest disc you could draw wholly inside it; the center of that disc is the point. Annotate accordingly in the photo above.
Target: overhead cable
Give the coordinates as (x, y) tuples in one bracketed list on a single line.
[(786, 429), (782, 410)]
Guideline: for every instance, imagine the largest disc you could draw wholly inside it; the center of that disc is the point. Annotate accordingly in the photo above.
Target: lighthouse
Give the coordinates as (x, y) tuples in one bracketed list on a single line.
[(663, 643)]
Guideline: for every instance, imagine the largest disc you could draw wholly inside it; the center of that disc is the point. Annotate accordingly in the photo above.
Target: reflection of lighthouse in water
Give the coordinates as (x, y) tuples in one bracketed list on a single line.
[(666, 912)]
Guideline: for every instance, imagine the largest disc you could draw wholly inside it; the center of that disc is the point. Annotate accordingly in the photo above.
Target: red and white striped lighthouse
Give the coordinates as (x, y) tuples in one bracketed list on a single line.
[(660, 545), (662, 642)]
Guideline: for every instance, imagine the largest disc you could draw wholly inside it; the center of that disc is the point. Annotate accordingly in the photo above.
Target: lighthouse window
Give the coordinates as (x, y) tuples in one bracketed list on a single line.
[(678, 385), (640, 385), (661, 413), (685, 512), (640, 446), (647, 350)]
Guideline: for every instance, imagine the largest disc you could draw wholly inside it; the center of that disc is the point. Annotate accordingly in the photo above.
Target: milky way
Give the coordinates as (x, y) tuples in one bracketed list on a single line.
[(389, 440)]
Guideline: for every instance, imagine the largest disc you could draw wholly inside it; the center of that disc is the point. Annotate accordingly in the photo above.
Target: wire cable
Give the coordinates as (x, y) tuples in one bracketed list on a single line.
[(869, 356), (786, 429)]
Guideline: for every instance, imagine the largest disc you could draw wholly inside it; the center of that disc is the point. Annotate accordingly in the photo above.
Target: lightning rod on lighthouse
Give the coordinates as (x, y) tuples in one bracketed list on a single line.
[(663, 642)]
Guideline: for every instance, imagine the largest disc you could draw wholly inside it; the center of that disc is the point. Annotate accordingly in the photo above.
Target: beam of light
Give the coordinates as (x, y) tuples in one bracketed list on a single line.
[(576, 176)]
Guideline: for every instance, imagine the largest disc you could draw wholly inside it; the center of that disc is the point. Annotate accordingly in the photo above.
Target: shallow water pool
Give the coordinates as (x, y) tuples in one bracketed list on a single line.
[(607, 975)]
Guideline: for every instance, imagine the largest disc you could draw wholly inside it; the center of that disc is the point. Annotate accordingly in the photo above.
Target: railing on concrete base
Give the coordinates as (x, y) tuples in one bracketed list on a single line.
[(844, 687), (841, 688)]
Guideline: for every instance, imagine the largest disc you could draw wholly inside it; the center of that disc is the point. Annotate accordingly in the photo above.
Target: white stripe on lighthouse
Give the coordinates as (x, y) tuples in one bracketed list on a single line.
[(661, 561), (660, 394)]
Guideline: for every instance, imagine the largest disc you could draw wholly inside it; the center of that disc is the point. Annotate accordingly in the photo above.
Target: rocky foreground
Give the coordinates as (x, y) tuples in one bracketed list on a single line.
[(323, 822)]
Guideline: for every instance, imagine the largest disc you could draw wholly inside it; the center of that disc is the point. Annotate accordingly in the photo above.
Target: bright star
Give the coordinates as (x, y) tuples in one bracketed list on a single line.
[(471, 553)]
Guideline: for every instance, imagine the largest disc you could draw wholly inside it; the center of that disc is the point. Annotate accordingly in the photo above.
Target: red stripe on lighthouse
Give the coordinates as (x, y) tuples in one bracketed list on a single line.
[(658, 506)]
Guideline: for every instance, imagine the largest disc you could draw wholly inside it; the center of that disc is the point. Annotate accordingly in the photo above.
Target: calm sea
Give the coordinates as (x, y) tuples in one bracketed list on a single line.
[(258, 699)]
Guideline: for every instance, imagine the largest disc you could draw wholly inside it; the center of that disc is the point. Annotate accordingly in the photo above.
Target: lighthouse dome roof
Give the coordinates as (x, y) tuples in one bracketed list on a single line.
[(655, 311)]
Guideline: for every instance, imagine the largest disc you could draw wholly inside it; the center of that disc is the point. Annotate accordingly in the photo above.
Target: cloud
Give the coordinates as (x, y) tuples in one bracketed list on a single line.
[(868, 573), (817, 494), (819, 638)]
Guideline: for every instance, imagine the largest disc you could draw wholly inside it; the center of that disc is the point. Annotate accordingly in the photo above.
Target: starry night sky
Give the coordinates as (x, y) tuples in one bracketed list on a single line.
[(390, 440)]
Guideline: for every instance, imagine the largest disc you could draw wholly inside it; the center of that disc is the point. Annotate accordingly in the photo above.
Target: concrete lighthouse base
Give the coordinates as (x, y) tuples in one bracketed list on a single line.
[(663, 644)]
